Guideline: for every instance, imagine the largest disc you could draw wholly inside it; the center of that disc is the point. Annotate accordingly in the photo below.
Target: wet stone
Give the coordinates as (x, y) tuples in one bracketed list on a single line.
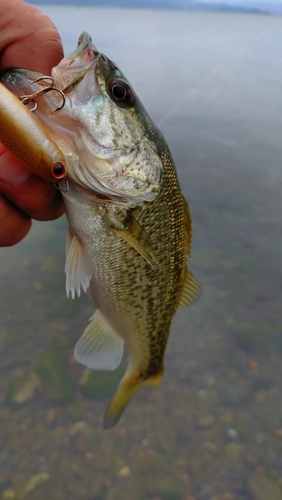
[(124, 471), (227, 417), (211, 447), (21, 389), (8, 495), (34, 482), (237, 392), (55, 383), (99, 385), (206, 421), (234, 451)]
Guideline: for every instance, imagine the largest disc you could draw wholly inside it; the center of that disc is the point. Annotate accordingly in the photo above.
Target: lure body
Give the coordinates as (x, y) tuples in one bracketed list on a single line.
[(23, 134)]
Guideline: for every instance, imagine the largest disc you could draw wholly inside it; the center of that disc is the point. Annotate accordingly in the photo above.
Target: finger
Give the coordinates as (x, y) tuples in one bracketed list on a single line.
[(28, 37), (38, 199), (14, 225)]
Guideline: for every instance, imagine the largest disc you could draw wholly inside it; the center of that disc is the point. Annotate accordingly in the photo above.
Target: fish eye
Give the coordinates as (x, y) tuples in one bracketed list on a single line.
[(121, 91)]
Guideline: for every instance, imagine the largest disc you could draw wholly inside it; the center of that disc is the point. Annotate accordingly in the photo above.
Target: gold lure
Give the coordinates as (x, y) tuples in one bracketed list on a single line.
[(24, 136)]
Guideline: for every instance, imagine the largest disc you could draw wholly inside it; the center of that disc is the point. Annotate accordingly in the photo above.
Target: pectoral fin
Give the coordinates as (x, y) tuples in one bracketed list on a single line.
[(190, 291), (128, 386), (139, 239), (76, 269), (99, 348)]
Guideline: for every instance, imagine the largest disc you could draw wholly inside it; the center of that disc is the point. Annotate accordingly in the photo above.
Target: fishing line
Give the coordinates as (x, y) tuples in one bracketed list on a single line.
[(217, 70)]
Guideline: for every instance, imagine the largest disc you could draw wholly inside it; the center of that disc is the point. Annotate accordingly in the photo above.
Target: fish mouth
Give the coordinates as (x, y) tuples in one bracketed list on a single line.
[(66, 76), (76, 80), (72, 69)]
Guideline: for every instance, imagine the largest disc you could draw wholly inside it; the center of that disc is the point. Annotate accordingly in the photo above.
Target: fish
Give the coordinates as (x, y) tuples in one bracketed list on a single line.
[(130, 228)]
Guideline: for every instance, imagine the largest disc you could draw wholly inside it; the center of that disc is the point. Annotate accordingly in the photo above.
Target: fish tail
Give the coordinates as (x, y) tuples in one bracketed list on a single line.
[(128, 386)]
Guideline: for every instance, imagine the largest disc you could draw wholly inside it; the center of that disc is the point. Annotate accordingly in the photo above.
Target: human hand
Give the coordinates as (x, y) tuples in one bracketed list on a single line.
[(28, 39)]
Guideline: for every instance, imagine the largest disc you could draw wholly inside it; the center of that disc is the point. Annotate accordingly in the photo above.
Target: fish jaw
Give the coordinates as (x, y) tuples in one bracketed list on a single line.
[(72, 69)]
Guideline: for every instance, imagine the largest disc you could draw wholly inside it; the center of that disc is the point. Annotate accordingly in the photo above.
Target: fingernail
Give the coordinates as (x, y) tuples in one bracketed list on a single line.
[(12, 171)]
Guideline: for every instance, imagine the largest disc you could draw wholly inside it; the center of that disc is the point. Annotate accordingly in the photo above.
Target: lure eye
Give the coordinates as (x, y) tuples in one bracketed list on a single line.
[(58, 171), (121, 91)]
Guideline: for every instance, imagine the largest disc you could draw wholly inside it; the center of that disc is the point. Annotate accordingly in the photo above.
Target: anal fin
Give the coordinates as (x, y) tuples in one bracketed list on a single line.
[(99, 348)]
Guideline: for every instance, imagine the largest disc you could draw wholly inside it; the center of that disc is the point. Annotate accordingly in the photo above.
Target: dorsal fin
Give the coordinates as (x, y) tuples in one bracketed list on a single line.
[(188, 227), (190, 291)]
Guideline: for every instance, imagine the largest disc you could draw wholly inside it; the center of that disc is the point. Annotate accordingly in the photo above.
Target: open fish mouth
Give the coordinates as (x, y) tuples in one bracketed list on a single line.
[(89, 109), (66, 76)]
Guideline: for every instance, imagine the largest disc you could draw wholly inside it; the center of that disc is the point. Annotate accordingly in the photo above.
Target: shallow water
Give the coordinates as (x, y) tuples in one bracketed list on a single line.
[(213, 429)]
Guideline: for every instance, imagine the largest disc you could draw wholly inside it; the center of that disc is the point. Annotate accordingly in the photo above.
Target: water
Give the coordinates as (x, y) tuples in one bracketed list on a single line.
[(250, 6), (213, 429)]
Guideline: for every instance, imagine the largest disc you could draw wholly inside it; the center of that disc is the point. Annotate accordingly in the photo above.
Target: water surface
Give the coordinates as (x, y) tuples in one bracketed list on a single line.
[(213, 430)]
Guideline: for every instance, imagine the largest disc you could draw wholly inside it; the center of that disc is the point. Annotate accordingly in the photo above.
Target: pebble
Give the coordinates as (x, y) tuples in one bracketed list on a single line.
[(234, 451), (232, 433), (203, 395), (80, 426), (124, 472), (8, 495), (227, 417), (50, 416), (145, 442), (260, 438), (212, 447), (27, 389), (260, 396), (206, 420), (35, 481)]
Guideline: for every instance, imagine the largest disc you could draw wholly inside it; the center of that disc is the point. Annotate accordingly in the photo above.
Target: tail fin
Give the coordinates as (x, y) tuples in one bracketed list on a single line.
[(128, 386)]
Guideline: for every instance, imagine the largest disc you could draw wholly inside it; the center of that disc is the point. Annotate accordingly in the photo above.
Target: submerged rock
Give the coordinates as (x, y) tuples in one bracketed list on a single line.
[(55, 383), (34, 482), (8, 495), (21, 389), (98, 384)]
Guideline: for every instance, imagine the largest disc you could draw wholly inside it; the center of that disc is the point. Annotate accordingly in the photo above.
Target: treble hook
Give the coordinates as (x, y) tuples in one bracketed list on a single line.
[(26, 99), (63, 186)]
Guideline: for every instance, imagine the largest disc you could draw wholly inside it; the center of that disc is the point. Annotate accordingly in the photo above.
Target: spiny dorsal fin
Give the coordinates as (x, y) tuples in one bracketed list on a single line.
[(139, 239), (99, 348), (188, 227), (76, 269), (190, 291)]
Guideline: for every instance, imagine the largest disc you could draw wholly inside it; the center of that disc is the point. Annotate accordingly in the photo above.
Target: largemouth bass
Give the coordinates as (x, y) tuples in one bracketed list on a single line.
[(129, 225)]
